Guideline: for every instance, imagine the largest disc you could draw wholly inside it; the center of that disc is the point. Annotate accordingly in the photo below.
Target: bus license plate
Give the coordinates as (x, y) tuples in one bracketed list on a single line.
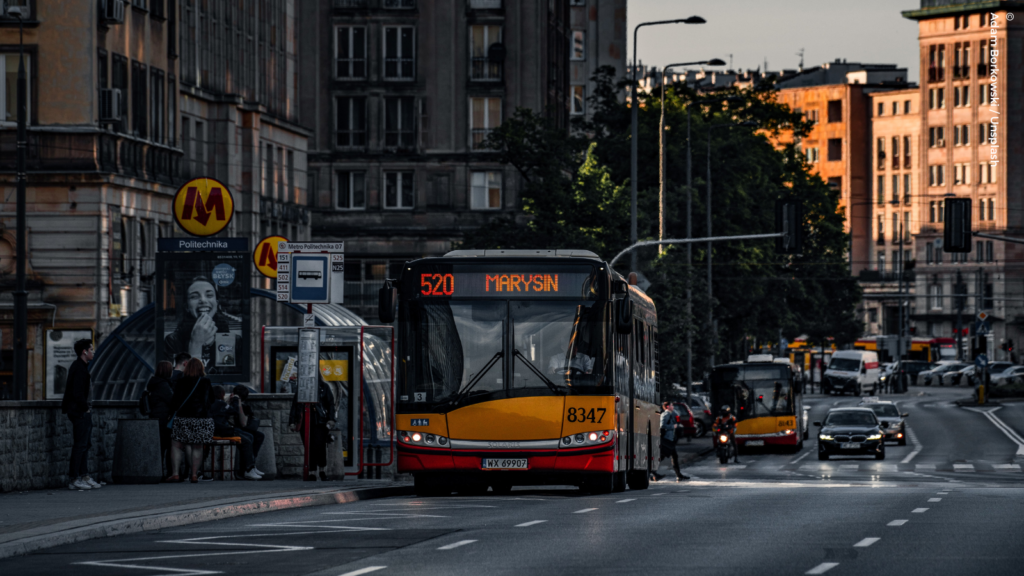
[(505, 463), (755, 443), (849, 446)]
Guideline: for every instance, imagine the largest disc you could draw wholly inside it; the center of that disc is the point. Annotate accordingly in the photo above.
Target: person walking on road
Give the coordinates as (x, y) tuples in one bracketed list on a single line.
[(161, 393), (77, 406), (192, 427), (667, 444)]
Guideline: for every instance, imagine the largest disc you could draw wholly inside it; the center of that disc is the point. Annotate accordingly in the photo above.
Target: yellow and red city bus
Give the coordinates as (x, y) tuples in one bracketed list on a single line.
[(514, 368), (765, 400)]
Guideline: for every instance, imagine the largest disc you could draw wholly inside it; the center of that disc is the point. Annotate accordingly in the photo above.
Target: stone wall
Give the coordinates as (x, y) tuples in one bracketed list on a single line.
[(35, 442)]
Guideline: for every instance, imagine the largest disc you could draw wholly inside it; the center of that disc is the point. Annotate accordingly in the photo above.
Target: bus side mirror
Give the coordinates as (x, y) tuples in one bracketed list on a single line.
[(624, 316), (387, 297)]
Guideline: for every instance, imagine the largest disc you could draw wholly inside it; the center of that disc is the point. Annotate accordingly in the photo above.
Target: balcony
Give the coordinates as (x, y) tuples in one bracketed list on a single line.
[(485, 70)]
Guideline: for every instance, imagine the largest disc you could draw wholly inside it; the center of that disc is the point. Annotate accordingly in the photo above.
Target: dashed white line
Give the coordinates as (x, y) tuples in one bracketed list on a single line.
[(531, 523), (584, 511), (866, 542), (659, 494), (917, 446), (919, 510), (626, 500), (935, 499), (456, 544), (366, 570), (804, 455), (897, 523), (822, 568)]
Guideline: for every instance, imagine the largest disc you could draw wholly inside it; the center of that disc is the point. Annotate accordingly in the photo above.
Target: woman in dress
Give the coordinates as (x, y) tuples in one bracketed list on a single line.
[(193, 427)]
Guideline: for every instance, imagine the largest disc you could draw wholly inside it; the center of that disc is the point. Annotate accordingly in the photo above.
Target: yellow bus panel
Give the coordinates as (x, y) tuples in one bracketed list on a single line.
[(587, 414), (531, 418), (435, 423)]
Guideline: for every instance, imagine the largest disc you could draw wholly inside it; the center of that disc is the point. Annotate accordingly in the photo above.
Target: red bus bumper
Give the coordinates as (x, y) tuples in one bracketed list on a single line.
[(770, 439), (587, 459)]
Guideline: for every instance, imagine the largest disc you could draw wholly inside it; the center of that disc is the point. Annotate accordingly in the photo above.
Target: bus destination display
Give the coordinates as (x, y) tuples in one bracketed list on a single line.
[(504, 284)]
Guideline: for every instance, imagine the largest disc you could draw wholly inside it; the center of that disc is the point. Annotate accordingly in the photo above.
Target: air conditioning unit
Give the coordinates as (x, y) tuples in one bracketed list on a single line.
[(110, 103), (112, 11)]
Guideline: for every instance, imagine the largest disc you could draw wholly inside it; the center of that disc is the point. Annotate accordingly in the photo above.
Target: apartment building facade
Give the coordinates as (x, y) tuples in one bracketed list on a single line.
[(403, 94), (127, 101), (972, 146)]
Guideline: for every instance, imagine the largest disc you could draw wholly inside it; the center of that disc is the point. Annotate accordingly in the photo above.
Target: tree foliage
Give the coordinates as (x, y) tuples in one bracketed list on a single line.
[(575, 194)]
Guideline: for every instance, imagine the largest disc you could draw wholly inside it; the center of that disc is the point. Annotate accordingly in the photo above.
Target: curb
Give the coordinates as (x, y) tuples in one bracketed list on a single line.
[(185, 515)]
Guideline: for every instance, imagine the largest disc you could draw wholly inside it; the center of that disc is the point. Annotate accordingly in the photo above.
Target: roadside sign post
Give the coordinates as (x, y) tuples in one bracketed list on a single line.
[(310, 273), (981, 368)]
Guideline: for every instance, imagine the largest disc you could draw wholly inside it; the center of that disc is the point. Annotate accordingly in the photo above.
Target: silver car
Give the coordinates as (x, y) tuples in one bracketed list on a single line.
[(949, 377), (1007, 376)]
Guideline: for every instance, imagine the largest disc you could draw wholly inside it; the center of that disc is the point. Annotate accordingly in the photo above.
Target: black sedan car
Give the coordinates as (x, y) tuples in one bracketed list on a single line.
[(890, 414), (849, 432)]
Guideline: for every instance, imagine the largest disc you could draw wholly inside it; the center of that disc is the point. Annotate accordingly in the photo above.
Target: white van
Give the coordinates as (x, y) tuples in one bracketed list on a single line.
[(853, 371)]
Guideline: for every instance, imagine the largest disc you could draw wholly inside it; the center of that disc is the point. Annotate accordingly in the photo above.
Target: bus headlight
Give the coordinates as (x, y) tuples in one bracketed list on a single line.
[(579, 438), (594, 438), (430, 438), (442, 440), (416, 437), (567, 440)]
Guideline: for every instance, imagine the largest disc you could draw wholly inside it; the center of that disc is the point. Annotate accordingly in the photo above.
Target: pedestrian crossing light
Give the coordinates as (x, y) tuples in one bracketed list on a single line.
[(957, 231), (789, 223)]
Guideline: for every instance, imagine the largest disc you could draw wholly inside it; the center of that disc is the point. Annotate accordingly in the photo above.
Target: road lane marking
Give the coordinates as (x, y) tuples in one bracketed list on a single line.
[(584, 511), (918, 510), (366, 570), (207, 540), (804, 455), (935, 499), (959, 467), (917, 446), (1009, 432), (626, 500), (866, 542), (897, 523), (659, 494), (456, 544), (1006, 466), (822, 568), (530, 523)]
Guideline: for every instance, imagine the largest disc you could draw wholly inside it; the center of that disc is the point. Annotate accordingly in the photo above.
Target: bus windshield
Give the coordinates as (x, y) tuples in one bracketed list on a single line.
[(753, 391), (459, 349)]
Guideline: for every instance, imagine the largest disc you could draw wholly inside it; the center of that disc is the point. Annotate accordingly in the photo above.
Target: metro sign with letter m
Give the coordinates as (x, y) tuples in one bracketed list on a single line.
[(203, 207)]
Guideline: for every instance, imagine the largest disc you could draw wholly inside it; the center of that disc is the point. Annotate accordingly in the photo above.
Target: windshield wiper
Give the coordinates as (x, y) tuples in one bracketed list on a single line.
[(462, 394), (554, 387)]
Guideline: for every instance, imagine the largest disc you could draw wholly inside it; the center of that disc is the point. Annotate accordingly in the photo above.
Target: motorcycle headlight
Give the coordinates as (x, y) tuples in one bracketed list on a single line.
[(825, 437), (723, 439)]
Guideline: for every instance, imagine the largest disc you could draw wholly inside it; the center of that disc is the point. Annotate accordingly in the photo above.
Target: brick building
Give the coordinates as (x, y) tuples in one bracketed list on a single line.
[(972, 147), (401, 109), (127, 100)]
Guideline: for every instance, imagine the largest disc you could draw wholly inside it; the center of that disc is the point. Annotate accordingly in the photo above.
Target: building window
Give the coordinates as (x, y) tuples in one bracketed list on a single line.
[(983, 94), (812, 155), (928, 250), (895, 231), (350, 118), (942, 214), (881, 262), (835, 111), (172, 115), (579, 45), (835, 149), (139, 100), (579, 100), (935, 296), (881, 228), (398, 190), (351, 190), (906, 106), (931, 211), (937, 176), (268, 170), (895, 188), (895, 108), (880, 192), (991, 208), (940, 96), (984, 133), (961, 174), (873, 315), (906, 152), (119, 80), (158, 112), (350, 52), (906, 189), (399, 122), (486, 191), (9, 89), (484, 116), (399, 53), (989, 249), (881, 109), (906, 229), (937, 136), (481, 39), (895, 152), (880, 153)]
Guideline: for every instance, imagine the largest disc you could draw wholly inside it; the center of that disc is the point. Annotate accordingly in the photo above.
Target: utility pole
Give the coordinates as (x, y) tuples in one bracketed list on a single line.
[(959, 316), (689, 260), (20, 295)]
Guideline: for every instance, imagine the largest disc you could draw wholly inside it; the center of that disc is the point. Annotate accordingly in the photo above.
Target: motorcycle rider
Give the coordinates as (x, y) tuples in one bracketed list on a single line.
[(726, 424)]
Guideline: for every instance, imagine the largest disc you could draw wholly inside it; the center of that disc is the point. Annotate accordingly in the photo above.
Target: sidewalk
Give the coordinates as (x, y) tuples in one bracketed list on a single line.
[(44, 518)]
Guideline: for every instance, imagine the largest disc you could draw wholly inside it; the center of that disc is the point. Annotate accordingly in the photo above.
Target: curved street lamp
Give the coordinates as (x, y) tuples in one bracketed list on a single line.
[(633, 148)]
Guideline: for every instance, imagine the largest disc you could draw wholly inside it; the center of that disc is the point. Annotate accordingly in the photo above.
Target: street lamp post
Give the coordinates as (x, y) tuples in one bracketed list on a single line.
[(20, 295), (634, 103), (711, 315)]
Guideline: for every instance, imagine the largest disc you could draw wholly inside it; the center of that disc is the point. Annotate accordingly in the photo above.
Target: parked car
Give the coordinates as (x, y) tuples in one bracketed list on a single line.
[(1007, 376), (947, 377), (684, 419), (888, 412), (994, 369), (929, 376), (853, 371), (964, 376), (703, 417)]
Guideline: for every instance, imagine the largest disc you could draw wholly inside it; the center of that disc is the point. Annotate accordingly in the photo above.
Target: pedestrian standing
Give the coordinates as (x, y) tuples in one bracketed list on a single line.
[(77, 405), (161, 394), (192, 427), (667, 444), (180, 359), (320, 422), (229, 420)]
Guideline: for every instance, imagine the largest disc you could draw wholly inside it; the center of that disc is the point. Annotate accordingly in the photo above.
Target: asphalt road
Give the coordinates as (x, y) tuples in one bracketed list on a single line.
[(950, 504)]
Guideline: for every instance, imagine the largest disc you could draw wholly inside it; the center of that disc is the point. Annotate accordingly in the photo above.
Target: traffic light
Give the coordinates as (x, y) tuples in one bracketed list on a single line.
[(1009, 345), (957, 229), (1004, 347), (789, 219)]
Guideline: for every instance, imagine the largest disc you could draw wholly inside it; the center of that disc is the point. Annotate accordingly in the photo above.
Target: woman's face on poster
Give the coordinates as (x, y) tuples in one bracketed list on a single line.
[(202, 299)]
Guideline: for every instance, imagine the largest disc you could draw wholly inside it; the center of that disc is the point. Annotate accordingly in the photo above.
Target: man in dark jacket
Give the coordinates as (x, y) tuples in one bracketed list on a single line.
[(229, 420), (76, 405), (179, 366)]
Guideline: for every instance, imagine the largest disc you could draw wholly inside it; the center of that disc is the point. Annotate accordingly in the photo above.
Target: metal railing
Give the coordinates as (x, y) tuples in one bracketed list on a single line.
[(478, 137), (483, 69)]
